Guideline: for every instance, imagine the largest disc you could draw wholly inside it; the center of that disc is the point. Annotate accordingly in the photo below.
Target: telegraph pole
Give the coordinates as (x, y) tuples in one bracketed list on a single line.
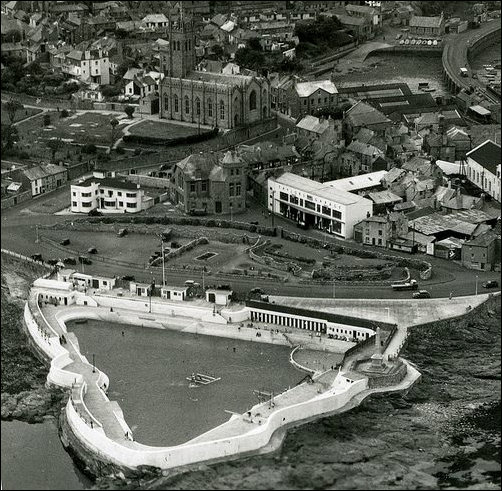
[(37, 240), (163, 263)]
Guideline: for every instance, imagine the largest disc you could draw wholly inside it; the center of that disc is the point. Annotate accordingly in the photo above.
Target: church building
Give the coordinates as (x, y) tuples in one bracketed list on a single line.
[(214, 99)]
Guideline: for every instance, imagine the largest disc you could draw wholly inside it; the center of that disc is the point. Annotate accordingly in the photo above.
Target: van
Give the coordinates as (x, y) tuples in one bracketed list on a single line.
[(122, 232), (464, 72)]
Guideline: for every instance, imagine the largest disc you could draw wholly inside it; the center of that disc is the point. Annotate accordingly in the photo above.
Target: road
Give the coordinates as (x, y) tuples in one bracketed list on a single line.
[(455, 55), (19, 235)]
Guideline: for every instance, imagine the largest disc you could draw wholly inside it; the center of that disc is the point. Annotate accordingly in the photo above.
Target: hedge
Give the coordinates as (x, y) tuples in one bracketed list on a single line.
[(192, 221), (171, 142)]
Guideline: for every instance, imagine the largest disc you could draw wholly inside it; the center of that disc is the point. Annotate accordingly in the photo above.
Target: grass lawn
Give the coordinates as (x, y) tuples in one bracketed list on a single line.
[(21, 114), (79, 128), (162, 130)]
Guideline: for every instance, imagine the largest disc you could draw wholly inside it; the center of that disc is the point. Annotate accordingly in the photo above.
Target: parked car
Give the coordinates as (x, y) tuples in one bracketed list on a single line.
[(52, 262), (92, 250), (128, 278), (65, 242), (490, 284), (36, 257), (70, 260), (122, 232), (422, 294)]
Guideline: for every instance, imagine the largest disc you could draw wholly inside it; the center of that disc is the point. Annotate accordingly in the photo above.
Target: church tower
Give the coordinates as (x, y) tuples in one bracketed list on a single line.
[(181, 45)]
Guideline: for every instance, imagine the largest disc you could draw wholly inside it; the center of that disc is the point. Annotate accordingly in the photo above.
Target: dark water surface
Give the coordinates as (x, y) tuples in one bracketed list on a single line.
[(148, 369), (33, 457)]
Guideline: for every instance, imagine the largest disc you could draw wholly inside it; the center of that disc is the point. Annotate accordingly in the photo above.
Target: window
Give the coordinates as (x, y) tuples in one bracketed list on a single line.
[(119, 193), (130, 195), (166, 103), (293, 199), (187, 105), (252, 100), (222, 110), (74, 203), (101, 191), (379, 241), (231, 172), (326, 210), (176, 103), (304, 102), (283, 196), (86, 195), (310, 205), (204, 187), (197, 106), (74, 193), (121, 204), (379, 232), (231, 190), (237, 172), (86, 204), (238, 189), (319, 100), (109, 203), (210, 108), (318, 208), (131, 205), (337, 215), (192, 187), (110, 193)]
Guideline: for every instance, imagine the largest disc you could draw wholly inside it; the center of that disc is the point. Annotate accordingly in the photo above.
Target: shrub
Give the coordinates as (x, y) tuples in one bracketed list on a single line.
[(120, 150), (89, 148), (137, 151), (170, 142), (47, 120), (64, 113)]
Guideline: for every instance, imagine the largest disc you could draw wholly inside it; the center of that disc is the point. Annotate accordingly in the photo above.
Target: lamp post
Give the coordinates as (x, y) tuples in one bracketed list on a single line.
[(231, 213), (37, 240), (334, 288), (477, 284), (388, 314), (93, 363), (163, 262), (273, 203)]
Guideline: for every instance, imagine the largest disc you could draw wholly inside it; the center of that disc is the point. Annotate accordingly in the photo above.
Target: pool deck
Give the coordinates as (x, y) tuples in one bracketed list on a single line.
[(108, 417)]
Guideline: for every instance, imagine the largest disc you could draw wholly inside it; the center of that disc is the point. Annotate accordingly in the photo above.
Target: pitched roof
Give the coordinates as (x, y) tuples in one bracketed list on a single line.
[(313, 124), (435, 223), (382, 197), (364, 149), (487, 155), (198, 165), (421, 21), (41, 171), (355, 183), (305, 89), (349, 20), (361, 114), (449, 168), (482, 240), (155, 18)]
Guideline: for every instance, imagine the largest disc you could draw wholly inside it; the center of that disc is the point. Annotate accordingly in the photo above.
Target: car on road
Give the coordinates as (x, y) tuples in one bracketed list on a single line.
[(128, 278), (122, 232), (70, 260), (490, 284), (36, 257), (92, 250), (422, 294), (65, 242)]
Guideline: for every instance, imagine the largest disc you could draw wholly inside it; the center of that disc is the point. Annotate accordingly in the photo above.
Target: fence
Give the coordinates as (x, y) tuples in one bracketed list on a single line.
[(29, 260)]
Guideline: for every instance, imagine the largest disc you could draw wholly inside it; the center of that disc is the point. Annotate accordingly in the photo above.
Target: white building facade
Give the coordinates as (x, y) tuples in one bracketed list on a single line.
[(107, 195), (483, 168), (312, 204)]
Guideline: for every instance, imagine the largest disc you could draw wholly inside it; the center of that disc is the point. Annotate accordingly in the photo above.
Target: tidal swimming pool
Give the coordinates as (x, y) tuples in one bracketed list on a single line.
[(148, 370)]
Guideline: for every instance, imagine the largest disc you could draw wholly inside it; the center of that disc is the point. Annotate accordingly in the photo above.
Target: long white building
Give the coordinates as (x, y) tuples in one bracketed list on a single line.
[(313, 204), (107, 194), (483, 168)]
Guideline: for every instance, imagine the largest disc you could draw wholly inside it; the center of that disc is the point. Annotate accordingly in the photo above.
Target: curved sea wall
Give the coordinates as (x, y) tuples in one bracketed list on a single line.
[(127, 454)]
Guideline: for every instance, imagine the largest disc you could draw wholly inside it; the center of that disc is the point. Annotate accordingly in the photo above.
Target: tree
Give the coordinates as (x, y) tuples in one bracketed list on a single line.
[(12, 107), (218, 50), (254, 44), (54, 146), (113, 123), (47, 120), (129, 110), (9, 136)]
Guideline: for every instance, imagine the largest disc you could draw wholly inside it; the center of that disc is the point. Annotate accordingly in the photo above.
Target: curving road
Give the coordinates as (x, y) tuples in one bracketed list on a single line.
[(455, 55), (19, 234)]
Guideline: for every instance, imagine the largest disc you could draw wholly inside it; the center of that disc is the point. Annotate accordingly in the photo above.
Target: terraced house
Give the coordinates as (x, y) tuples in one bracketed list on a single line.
[(483, 168)]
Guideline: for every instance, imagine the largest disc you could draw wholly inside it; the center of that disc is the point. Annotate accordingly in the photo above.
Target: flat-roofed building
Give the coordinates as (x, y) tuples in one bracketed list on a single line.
[(107, 194), (312, 204)]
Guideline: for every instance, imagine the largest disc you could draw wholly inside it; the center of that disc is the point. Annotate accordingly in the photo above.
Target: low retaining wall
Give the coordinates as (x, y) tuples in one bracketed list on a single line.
[(296, 364)]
